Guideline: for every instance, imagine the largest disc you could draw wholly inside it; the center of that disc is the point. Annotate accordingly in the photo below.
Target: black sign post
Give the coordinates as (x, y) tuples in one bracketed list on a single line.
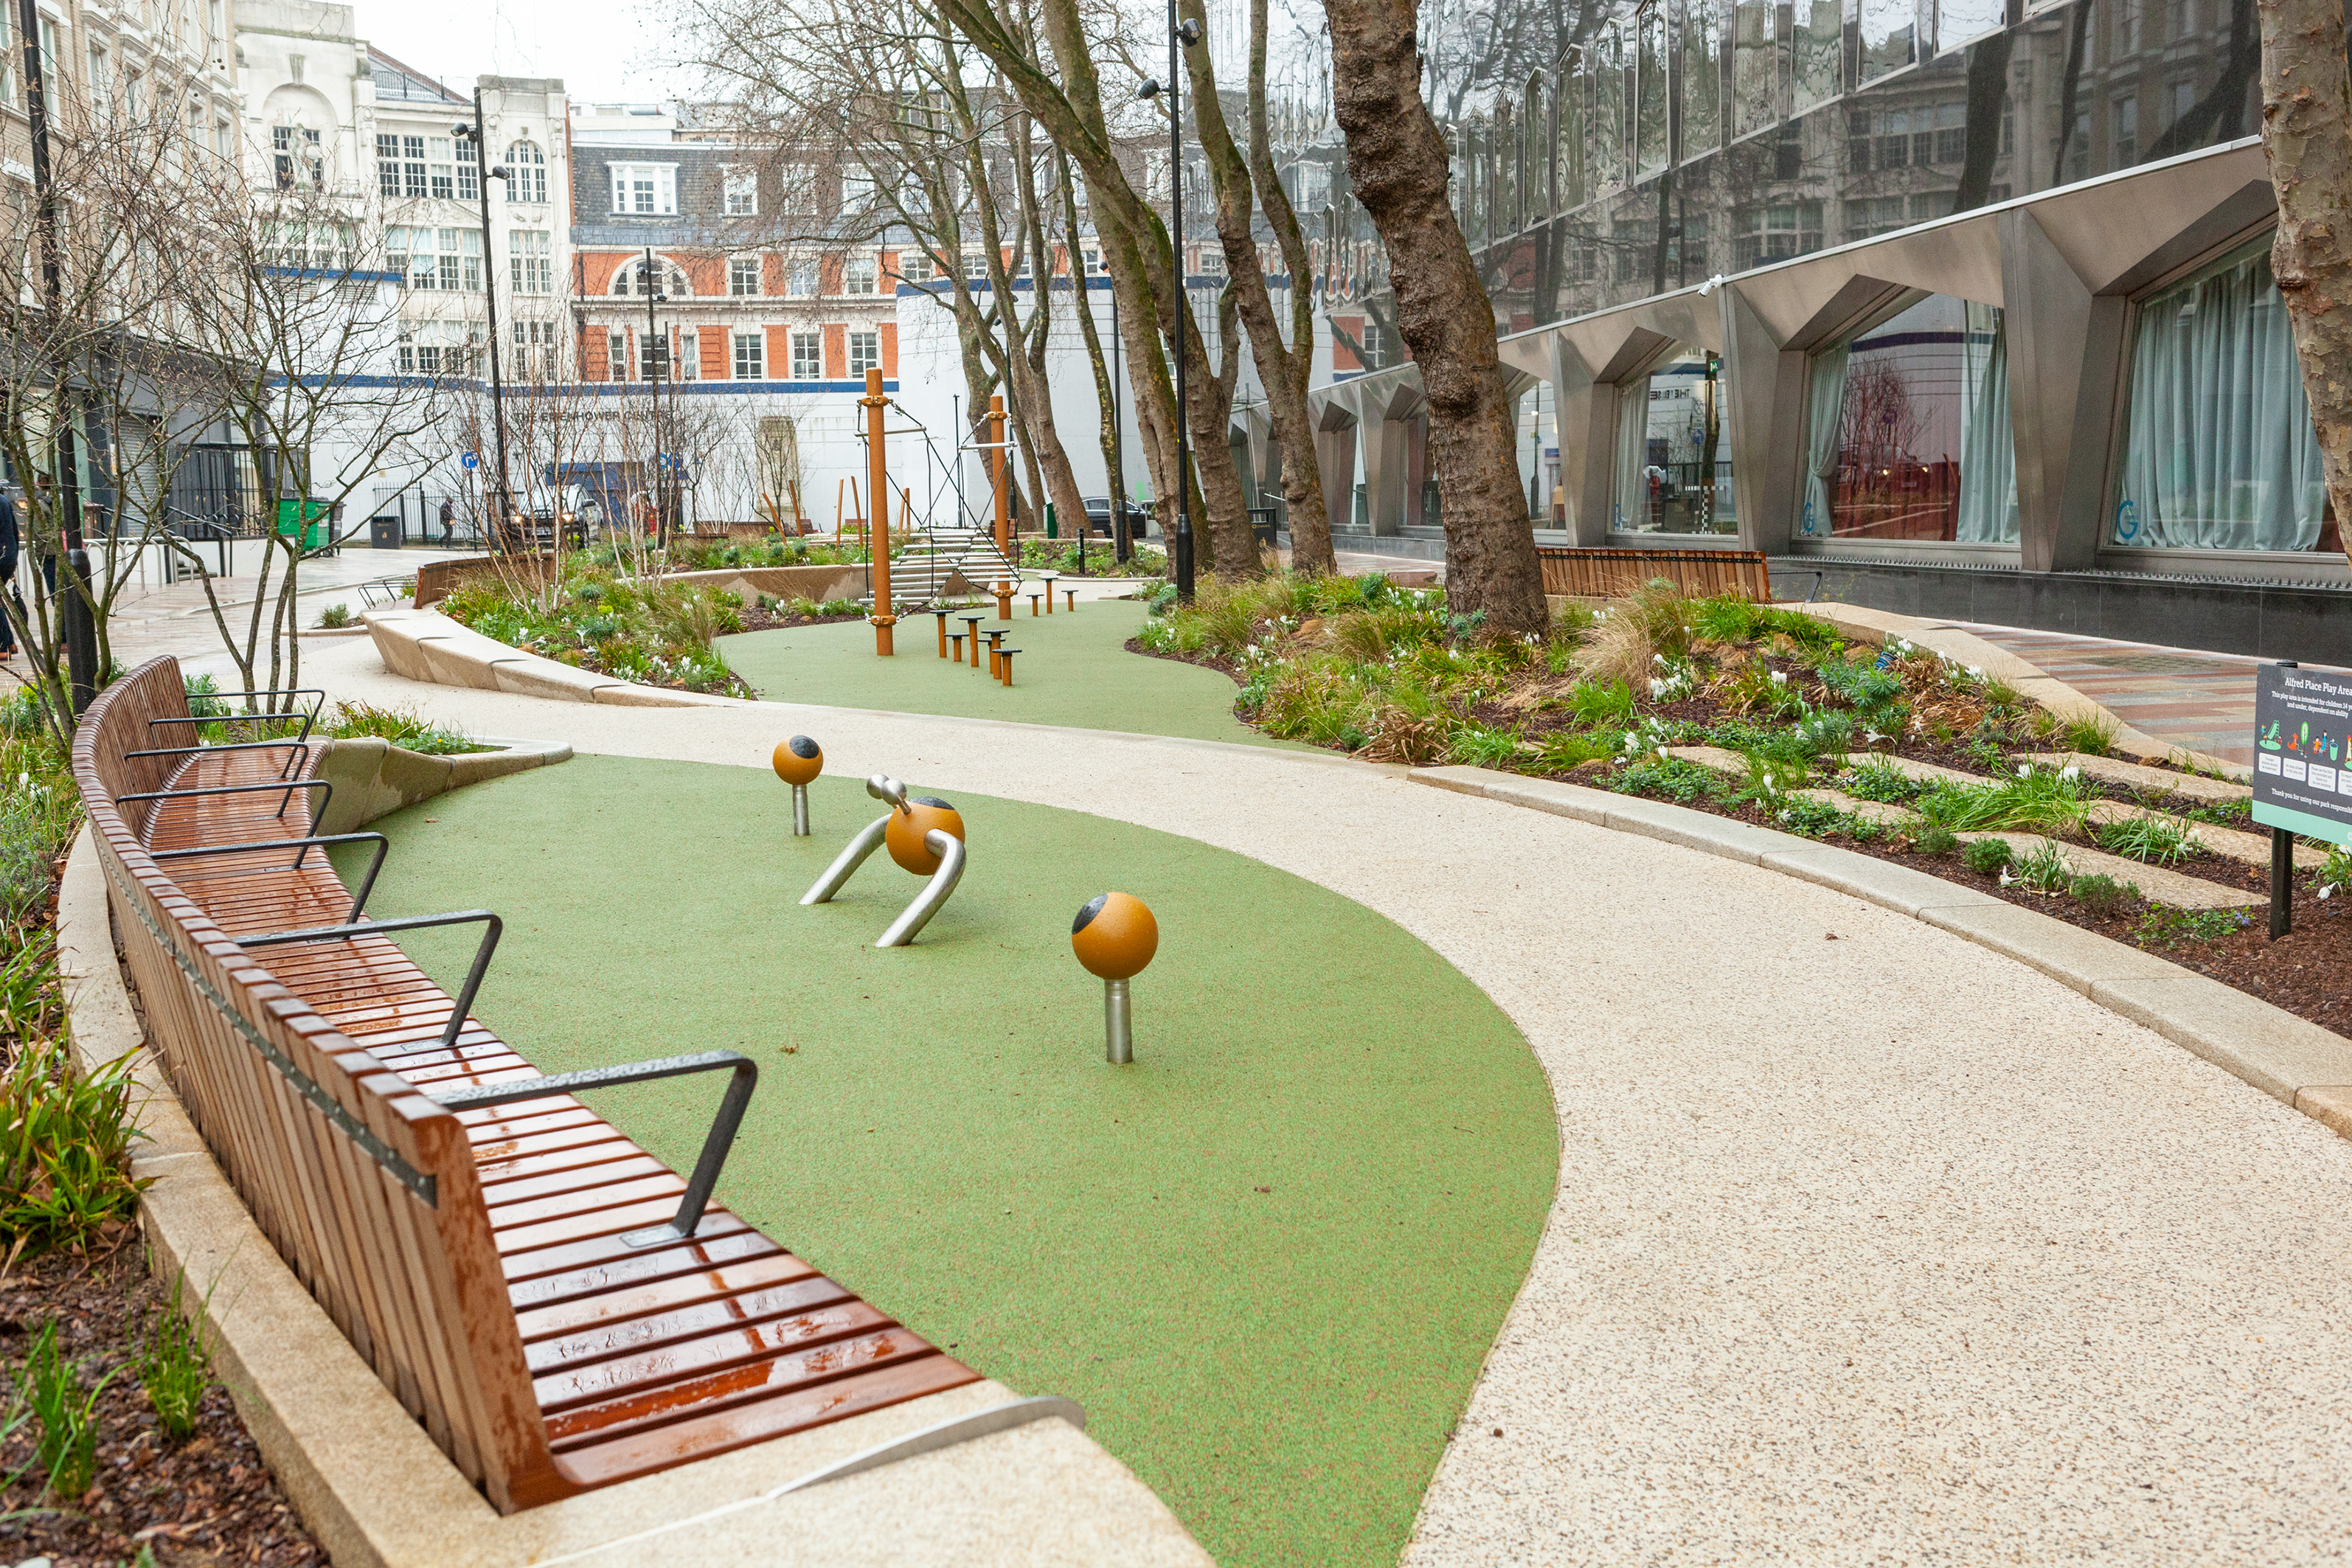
[(2303, 766)]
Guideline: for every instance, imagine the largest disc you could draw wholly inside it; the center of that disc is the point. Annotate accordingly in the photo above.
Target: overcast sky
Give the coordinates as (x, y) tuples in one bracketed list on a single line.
[(601, 48)]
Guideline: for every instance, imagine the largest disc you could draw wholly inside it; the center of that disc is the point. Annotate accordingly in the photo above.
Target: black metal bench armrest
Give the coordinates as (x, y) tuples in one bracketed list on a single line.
[(289, 786), (721, 1139), (367, 883), (464, 1001), (310, 715)]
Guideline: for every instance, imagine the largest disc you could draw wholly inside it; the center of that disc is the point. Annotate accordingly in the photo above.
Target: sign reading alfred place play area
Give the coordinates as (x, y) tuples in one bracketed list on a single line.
[(2303, 751)]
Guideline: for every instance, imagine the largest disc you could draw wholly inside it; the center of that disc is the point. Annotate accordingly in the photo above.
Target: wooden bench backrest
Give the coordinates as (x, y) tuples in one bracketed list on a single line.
[(1612, 574), (366, 1188)]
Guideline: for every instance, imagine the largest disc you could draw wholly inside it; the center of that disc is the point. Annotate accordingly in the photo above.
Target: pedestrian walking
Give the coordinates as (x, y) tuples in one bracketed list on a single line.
[(12, 541), (449, 520)]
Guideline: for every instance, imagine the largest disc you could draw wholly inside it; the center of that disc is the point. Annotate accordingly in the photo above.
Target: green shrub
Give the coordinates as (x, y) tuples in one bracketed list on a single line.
[(1475, 746), (1812, 818), (1986, 857), (2029, 800), (404, 727), (65, 1138), (66, 1448), (2043, 868), (1935, 838), (2094, 735), (1597, 701), (2159, 839), (1874, 778), (1669, 776), (334, 617), (173, 1368), (1825, 733), (2164, 926), (2335, 876), (2102, 895)]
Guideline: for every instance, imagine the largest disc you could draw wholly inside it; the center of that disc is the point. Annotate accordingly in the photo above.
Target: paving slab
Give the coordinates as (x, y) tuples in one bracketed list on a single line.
[(1884, 813), (2175, 888), (2067, 953), (2140, 776)]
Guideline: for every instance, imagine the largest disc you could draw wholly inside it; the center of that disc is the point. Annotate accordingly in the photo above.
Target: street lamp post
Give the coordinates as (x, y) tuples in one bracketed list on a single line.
[(1181, 37), (654, 365), (489, 172)]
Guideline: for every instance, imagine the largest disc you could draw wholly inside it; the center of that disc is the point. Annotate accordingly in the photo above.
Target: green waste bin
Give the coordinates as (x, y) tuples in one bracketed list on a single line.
[(1052, 531), (309, 514)]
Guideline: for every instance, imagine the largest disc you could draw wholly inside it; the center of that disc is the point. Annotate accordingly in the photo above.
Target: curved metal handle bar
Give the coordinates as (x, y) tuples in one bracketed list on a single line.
[(845, 864), (916, 915), (882, 786)]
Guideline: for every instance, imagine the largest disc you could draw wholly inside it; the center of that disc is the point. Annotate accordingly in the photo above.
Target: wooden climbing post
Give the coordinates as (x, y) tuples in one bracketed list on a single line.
[(877, 486)]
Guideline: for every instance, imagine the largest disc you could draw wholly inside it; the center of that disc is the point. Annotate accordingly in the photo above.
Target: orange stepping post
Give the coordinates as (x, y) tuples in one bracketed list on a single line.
[(971, 626), (943, 615), (1004, 664)]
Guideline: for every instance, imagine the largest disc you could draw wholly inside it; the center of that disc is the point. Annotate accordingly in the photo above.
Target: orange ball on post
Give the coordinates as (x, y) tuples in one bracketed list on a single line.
[(799, 760), (1114, 936), (904, 836)]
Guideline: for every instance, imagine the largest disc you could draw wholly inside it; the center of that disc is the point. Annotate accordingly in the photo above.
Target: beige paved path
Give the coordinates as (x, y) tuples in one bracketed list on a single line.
[(1879, 1249)]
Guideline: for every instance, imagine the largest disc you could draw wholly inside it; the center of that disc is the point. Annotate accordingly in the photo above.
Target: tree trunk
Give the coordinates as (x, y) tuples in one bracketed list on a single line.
[(1302, 467), (1988, 92), (1060, 484), (1397, 166), (1233, 547), (1106, 429), (2308, 135)]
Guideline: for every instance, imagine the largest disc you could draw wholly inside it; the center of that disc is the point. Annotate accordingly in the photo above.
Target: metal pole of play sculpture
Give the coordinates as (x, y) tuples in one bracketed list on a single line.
[(877, 488), (1114, 936), (925, 835), (798, 762), (1000, 474)]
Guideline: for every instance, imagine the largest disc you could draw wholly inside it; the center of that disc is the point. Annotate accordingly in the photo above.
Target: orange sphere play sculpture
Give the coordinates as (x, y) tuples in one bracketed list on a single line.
[(798, 762), (925, 836), (912, 825), (1114, 936)]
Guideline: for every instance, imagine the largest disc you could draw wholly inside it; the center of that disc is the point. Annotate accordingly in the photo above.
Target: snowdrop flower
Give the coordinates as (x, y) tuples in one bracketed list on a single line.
[(2325, 889), (2025, 770), (1780, 678), (2006, 880), (2070, 773)]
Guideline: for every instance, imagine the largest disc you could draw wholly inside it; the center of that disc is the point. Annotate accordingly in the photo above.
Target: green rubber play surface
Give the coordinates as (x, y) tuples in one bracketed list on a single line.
[(1072, 669), (1268, 1258)]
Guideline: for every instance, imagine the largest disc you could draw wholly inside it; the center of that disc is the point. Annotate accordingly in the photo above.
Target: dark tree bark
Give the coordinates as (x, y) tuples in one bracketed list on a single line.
[(1988, 94), (1397, 166), (2221, 114), (2072, 85), (2308, 137)]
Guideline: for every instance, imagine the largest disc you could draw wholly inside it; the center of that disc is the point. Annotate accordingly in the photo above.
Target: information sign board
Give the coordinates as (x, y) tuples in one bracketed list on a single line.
[(2302, 731)]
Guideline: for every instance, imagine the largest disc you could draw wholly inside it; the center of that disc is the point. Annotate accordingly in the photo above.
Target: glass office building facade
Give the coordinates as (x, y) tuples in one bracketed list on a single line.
[(1888, 283)]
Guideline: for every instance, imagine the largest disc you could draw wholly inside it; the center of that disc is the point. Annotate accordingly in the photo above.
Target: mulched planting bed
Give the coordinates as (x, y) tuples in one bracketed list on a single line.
[(1519, 714), (756, 619), (208, 1499)]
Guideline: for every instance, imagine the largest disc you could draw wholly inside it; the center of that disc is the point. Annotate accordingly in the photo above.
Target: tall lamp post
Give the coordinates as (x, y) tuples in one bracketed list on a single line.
[(1181, 36), (489, 172)]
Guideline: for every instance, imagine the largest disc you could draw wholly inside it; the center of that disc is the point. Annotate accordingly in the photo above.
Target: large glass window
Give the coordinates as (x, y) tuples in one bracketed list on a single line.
[(1702, 46), (1959, 22), (1650, 119), (1908, 431), (1815, 53), (1755, 68), (2219, 452), (1534, 154), (1608, 165), (1572, 88), (1506, 163), (1890, 36), (1673, 472)]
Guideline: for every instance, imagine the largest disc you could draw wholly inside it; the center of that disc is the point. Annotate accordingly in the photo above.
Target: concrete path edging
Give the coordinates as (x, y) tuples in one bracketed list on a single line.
[(373, 777), (377, 1494), (2287, 1058)]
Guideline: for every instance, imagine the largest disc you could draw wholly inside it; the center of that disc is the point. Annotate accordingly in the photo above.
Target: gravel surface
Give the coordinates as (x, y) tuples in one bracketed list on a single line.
[(1871, 1245)]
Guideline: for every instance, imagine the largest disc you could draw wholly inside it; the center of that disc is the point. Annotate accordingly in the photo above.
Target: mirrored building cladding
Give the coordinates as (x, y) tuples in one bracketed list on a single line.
[(1955, 306)]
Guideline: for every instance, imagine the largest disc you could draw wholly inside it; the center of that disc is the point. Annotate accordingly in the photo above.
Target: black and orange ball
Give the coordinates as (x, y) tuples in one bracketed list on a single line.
[(1114, 936), (799, 760), (905, 833)]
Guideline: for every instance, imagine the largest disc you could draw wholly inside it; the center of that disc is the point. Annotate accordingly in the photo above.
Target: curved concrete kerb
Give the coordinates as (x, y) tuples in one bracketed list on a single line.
[(373, 777), (426, 646)]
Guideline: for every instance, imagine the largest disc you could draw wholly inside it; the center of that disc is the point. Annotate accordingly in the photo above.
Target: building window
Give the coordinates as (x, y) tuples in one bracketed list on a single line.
[(1608, 161), (534, 350), (859, 275), (9, 52), (743, 277), (616, 356), (530, 261), (443, 160), (645, 190), (1908, 434), (690, 356), (808, 357), (750, 357), (296, 158), (100, 79), (631, 280), (804, 280), (653, 356), (527, 174), (1650, 89), (1673, 472), (916, 267), (2125, 150), (400, 166), (739, 192), (865, 353), (1755, 67), (2219, 452), (1775, 232), (856, 191)]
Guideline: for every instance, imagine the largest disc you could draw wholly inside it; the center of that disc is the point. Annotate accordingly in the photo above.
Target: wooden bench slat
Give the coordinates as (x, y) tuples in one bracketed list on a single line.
[(669, 1344), (705, 1284), (580, 1268)]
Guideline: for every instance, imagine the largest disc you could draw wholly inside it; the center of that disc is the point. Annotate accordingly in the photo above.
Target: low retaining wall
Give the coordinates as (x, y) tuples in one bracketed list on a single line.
[(422, 644), (373, 777), (436, 581)]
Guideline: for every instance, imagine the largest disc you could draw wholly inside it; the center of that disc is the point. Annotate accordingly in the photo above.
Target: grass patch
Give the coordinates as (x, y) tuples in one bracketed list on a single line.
[(2158, 840), (2164, 926)]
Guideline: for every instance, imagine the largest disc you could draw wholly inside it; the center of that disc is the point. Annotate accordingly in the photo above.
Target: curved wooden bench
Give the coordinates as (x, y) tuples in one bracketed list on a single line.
[(550, 1300)]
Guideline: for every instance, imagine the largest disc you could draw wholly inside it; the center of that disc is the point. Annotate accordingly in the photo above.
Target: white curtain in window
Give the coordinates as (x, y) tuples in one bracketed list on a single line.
[(2219, 452), (1824, 413), (1632, 505), (1987, 451)]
